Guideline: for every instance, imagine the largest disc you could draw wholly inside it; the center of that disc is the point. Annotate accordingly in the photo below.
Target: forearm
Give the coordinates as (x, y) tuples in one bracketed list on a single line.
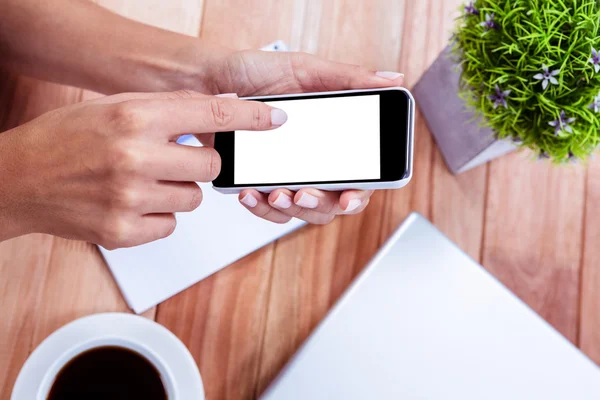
[(78, 43)]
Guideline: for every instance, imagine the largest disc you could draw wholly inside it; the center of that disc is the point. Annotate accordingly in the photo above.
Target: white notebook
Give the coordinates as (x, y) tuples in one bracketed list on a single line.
[(426, 322)]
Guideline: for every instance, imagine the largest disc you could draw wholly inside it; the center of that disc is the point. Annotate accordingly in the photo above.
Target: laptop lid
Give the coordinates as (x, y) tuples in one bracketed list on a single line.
[(424, 321)]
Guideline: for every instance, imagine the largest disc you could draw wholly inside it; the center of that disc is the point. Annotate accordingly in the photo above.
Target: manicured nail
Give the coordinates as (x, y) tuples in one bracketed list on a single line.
[(308, 201), (278, 117), (352, 205), (249, 200), (283, 201), (389, 75), (228, 95)]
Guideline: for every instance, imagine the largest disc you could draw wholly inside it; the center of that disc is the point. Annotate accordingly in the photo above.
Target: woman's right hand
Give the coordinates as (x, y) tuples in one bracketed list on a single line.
[(109, 171)]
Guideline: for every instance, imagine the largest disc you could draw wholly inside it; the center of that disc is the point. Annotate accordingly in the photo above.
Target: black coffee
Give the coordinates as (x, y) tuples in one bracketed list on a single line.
[(113, 373)]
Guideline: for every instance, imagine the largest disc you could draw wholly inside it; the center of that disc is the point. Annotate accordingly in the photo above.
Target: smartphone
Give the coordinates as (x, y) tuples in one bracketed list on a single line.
[(355, 139)]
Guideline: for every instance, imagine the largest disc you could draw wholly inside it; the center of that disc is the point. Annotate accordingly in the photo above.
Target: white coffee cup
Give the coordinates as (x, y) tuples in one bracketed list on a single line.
[(164, 371), (177, 368)]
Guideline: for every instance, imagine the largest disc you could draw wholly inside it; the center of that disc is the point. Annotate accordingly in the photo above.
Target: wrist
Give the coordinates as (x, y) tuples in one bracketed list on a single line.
[(173, 62), (136, 57), (13, 216)]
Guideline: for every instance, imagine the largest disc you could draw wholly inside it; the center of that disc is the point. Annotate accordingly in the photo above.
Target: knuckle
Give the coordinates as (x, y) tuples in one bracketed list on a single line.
[(168, 228), (128, 198), (115, 232), (331, 208), (300, 59), (213, 164), (299, 212), (260, 118), (328, 203), (128, 117), (265, 213), (123, 157), (221, 112)]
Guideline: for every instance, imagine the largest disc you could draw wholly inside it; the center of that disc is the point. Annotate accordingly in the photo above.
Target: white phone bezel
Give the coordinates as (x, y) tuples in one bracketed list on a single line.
[(345, 185)]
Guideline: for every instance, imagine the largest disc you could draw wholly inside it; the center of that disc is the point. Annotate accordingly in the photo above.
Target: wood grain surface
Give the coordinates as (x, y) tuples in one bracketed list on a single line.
[(534, 226), (589, 318), (540, 263)]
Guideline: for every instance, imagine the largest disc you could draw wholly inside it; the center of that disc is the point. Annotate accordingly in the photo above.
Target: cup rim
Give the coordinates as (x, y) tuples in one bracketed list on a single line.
[(108, 341)]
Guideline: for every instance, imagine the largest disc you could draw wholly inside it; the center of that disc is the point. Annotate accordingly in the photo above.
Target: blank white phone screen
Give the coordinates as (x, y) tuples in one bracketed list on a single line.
[(323, 140)]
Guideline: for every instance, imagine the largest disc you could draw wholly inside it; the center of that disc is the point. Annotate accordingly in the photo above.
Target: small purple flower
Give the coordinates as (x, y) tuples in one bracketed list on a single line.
[(490, 22), (562, 124), (572, 158), (543, 155), (499, 98), (470, 9), (595, 60), (596, 104), (547, 76)]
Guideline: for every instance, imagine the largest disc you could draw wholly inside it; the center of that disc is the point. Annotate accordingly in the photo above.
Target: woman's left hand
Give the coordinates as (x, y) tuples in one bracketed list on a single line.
[(254, 73)]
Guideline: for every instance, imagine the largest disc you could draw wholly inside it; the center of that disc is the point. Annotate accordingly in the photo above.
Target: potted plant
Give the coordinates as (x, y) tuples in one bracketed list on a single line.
[(530, 70)]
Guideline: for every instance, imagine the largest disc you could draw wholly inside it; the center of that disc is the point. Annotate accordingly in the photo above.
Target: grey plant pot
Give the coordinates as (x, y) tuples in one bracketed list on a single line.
[(463, 142)]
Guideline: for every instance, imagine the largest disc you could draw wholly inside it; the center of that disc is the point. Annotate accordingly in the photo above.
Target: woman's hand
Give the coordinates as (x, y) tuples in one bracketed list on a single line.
[(109, 171), (254, 73), (250, 73)]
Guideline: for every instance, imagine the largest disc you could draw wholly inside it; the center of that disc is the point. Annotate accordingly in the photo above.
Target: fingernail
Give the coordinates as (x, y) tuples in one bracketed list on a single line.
[(308, 201), (278, 117), (228, 95), (352, 205), (283, 201), (389, 75), (249, 200)]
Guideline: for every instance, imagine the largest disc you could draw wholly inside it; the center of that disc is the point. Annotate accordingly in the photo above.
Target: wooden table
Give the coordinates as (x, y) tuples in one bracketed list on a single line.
[(534, 226)]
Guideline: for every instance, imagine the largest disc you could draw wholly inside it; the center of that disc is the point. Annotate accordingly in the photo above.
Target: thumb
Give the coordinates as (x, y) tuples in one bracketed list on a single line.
[(317, 74)]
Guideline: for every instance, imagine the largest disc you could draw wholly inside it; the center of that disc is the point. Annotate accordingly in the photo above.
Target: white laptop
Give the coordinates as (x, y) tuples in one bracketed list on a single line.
[(424, 321)]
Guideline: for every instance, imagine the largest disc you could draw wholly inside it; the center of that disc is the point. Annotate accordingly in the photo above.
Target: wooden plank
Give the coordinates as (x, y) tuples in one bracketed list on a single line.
[(77, 284), (251, 24), (182, 16), (590, 289), (458, 202), (224, 314), (533, 235), (313, 268), (419, 48), (23, 268), (221, 321), (458, 205)]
